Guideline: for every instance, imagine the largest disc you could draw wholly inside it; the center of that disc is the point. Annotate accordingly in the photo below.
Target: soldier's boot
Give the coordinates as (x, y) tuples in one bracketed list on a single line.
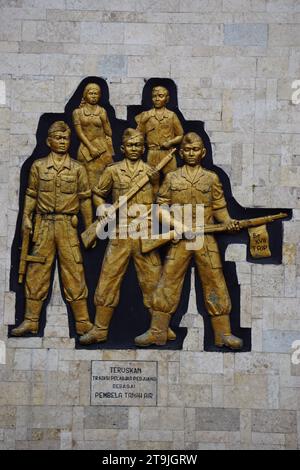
[(99, 332), (31, 319), (223, 335), (81, 315), (171, 333), (158, 331)]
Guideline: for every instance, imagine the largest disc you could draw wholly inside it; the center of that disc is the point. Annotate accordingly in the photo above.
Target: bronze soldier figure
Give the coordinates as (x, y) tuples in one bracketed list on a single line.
[(119, 178), (192, 184), (161, 128), (58, 189)]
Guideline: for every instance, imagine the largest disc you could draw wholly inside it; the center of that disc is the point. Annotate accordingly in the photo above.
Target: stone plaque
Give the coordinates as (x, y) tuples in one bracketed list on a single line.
[(124, 383)]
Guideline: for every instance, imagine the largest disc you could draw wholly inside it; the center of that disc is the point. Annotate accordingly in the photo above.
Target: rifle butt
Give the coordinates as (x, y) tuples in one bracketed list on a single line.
[(88, 238), (24, 254)]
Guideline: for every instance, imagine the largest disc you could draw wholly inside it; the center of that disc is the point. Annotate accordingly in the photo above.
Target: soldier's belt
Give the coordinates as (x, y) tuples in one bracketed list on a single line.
[(56, 216)]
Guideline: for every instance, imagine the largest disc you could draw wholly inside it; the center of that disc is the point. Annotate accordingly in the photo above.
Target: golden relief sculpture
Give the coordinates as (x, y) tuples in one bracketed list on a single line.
[(60, 187), (161, 128), (57, 190), (192, 184), (94, 132), (119, 179)]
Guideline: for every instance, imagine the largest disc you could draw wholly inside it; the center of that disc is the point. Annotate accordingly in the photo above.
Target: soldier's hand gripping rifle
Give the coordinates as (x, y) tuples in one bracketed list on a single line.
[(25, 257), (148, 245), (90, 234)]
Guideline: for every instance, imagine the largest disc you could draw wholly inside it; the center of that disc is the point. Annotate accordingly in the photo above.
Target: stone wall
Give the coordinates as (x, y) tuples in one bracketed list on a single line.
[(234, 62)]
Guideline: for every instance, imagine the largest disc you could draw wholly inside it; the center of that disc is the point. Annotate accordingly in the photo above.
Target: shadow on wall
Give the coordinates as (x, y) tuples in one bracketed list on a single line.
[(131, 318)]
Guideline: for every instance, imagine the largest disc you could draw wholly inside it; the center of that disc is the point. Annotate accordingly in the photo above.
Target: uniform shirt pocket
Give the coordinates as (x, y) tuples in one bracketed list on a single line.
[(119, 189), (181, 193), (204, 192), (46, 183), (68, 184), (175, 186)]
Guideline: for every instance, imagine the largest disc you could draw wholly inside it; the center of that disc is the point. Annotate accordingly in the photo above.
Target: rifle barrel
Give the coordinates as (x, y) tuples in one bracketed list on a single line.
[(149, 245)]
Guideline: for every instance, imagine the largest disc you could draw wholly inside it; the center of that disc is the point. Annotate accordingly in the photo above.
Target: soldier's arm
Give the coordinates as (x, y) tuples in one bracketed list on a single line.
[(105, 123), (178, 131), (103, 188), (79, 131), (86, 211), (152, 174), (220, 211), (30, 198), (164, 202), (84, 194), (219, 205), (82, 137), (107, 129), (140, 120)]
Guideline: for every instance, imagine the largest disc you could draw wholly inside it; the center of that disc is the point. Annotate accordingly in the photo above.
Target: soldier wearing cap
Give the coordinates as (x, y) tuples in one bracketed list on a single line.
[(119, 178), (58, 189), (161, 128), (192, 184)]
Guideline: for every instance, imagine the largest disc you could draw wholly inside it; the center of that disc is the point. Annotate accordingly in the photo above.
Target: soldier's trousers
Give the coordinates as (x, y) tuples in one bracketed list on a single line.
[(56, 236), (167, 295), (154, 157), (115, 263)]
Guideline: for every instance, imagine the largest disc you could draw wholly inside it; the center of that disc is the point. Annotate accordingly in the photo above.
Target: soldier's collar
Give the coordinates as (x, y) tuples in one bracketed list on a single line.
[(165, 113), (139, 167), (197, 175), (66, 163)]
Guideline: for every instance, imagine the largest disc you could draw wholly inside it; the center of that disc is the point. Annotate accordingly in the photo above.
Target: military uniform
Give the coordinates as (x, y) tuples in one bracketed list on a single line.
[(118, 179), (57, 193), (158, 131), (205, 189)]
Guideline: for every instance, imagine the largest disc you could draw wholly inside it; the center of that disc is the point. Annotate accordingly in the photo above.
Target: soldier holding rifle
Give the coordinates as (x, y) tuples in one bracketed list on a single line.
[(192, 184), (121, 178)]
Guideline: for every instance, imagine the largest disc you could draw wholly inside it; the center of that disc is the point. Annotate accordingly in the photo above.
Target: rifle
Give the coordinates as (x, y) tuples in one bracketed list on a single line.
[(148, 245), (90, 234), (25, 257)]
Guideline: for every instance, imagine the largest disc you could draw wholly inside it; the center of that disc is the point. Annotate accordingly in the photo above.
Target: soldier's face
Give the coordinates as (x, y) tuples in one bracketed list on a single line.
[(92, 96), (133, 149), (160, 97), (193, 153), (59, 142)]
